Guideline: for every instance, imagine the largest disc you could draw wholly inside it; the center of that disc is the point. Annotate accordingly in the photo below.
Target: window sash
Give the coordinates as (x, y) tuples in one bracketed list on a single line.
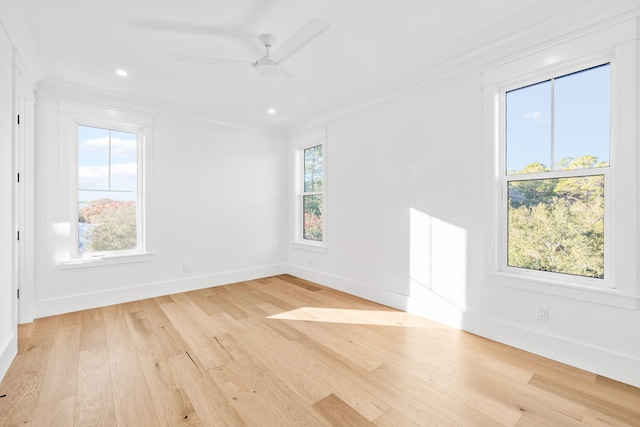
[(320, 193), (139, 200), (504, 178)]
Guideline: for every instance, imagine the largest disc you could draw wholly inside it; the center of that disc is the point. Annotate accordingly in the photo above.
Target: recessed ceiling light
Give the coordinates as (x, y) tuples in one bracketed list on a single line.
[(121, 72), (271, 111)]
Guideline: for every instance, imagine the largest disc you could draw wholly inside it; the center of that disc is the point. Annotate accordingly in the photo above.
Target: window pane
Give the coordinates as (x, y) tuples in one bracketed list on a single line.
[(124, 166), (313, 169), (528, 127), (106, 221), (581, 111), (557, 225), (93, 158), (312, 227)]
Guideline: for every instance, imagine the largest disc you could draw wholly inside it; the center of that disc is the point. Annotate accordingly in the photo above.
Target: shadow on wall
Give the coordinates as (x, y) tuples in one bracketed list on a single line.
[(437, 269)]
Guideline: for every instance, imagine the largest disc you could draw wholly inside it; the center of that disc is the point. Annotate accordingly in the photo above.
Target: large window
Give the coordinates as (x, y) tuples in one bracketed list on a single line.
[(555, 181), (312, 193), (108, 190), (105, 161), (561, 162)]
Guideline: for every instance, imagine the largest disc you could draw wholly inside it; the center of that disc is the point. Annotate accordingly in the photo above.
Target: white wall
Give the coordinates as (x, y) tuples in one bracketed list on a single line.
[(216, 205), (409, 163), (405, 194)]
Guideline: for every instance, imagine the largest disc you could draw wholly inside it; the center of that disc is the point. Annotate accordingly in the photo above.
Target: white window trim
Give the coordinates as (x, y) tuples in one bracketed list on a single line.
[(72, 114), (300, 143), (581, 53)]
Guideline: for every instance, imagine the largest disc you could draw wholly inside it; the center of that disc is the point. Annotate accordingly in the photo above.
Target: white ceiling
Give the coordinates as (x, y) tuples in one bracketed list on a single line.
[(371, 44)]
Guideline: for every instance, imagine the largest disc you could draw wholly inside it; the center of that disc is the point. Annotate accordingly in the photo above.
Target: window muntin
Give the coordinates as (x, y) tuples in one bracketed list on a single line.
[(556, 150), (108, 190), (312, 193)]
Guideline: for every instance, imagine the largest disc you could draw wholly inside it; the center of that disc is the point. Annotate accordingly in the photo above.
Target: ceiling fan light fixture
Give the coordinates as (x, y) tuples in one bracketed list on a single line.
[(267, 67)]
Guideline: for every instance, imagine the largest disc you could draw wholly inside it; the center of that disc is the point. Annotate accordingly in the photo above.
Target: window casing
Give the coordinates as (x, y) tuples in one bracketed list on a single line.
[(616, 45), (105, 163), (308, 182)]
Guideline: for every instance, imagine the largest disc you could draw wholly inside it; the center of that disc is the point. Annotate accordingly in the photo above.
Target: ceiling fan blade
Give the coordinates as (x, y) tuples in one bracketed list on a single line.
[(313, 29), (207, 60), (293, 93)]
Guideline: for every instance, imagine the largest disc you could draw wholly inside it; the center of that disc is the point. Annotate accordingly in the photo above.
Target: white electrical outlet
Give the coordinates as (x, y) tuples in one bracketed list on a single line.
[(185, 268), (542, 313)]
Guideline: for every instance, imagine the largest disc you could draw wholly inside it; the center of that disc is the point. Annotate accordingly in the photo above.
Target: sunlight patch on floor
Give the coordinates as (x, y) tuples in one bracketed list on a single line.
[(359, 317)]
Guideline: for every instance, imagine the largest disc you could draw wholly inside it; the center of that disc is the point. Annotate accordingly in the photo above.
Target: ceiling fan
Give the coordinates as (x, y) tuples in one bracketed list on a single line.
[(269, 64)]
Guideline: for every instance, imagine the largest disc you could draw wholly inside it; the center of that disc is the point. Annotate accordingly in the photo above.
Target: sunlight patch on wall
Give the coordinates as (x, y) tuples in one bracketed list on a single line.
[(437, 268)]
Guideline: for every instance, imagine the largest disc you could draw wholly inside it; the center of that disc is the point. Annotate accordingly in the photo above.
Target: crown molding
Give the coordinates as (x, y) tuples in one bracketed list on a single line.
[(578, 22), (65, 90)]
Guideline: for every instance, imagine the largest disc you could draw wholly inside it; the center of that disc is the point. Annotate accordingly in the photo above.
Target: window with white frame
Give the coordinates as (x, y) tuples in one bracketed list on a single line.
[(109, 203), (107, 170), (555, 177), (312, 194), (561, 160)]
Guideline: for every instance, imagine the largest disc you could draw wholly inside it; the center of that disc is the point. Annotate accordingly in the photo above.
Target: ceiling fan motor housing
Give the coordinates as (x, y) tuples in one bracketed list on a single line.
[(267, 66)]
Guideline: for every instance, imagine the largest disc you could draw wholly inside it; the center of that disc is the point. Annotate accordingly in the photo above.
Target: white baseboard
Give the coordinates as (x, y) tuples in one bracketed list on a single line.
[(601, 361), (8, 351), (361, 290), (68, 304), (425, 303)]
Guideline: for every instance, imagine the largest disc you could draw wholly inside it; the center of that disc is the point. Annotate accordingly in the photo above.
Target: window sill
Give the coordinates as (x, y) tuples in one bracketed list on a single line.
[(313, 247), (101, 261), (604, 296)]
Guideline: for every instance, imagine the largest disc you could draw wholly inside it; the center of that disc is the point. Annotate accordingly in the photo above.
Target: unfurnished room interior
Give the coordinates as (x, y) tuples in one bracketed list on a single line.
[(328, 213)]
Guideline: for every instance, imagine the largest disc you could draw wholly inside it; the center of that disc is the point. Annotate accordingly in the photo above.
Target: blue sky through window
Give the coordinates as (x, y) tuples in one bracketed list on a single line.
[(107, 164), (581, 119)]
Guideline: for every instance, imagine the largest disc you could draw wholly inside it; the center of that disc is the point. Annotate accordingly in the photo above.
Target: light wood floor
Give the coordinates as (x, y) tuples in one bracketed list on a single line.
[(282, 351)]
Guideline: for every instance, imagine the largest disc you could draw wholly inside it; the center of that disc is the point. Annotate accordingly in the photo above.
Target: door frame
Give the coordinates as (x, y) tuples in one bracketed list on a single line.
[(24, 190)]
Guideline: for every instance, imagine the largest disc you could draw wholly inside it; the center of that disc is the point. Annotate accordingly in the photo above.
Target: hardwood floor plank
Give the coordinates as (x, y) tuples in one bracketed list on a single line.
[(56, 414), (21, 385), (170, 403), (263, 289), (94, 395), (309, 286), (43, 330), (392, 395), (211, 405), (344, 344), (133, 404), (305, 371), (226, 305), (458, 400), (602, 401), (393, 418), (284, 351), (595, 418), (198, 316), (338, 413), (60, 378), (211, 354), (259, 396), (24, 334), (92, 329), (295, 369)]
